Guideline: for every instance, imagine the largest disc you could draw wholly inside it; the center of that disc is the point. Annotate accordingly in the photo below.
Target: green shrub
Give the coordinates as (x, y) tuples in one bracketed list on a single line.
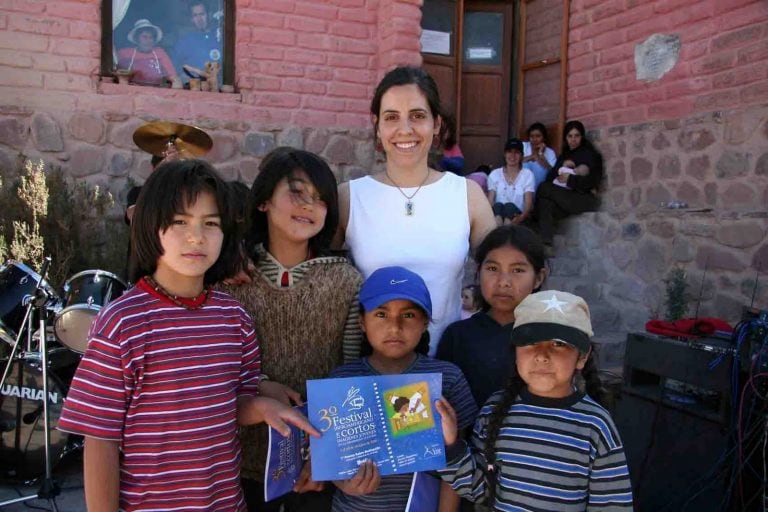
[(46, 213)]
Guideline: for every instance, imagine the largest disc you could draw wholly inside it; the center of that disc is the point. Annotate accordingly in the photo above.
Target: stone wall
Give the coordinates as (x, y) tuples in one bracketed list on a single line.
[(98, 147), (618, 258)]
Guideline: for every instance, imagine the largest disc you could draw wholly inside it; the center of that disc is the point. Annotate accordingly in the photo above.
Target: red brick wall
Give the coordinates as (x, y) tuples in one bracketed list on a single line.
[(723, 59), (298, 62)]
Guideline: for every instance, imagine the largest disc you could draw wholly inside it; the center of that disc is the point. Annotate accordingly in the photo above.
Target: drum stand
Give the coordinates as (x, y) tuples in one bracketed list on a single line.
[(49, 489)]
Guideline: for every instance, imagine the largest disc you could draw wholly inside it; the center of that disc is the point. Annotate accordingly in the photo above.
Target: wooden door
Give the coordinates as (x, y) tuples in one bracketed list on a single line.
[(486, 61), (440, 38)]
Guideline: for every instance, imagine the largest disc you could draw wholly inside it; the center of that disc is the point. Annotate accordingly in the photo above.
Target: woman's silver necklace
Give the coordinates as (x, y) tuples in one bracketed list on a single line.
[(408, 199)]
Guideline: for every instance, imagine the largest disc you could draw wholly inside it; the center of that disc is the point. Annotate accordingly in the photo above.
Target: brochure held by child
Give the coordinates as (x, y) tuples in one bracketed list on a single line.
[(389, 419), (285, 459)]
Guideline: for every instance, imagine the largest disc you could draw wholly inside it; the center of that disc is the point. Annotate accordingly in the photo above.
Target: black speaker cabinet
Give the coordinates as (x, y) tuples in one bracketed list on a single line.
[(673, 417)]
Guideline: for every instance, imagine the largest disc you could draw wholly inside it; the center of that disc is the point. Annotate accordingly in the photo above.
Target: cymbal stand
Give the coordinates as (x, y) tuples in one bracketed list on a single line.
[(49, 489)]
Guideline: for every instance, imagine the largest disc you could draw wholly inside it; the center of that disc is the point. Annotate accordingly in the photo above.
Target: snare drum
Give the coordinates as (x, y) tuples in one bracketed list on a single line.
[(86, 293), (17, 281), (22, 430)]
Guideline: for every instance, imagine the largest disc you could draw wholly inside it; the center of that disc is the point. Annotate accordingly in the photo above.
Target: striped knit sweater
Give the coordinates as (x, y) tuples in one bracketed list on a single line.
[(551, 454), (305, 330)]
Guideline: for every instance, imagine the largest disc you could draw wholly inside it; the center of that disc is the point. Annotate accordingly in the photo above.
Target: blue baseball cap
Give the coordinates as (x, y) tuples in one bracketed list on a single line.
[(394, 283)]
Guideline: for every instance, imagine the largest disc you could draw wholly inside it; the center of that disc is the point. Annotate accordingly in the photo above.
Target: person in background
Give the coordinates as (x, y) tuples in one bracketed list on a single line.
[(410, 214), (572, 184), (453, 158), (199, 45), (150, 64), (172, 366), (538, 157), (511, 188), (470, 301), (541, 443), (303, 301), (396, 309), (480, 176)]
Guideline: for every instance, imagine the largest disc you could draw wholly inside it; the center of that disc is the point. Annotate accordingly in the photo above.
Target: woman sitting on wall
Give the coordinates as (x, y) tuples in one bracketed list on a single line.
[(538, 157), (511, 187), (572, 183)]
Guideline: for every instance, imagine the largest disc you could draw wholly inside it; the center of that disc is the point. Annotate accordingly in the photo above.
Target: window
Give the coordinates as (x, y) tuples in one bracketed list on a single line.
[(168, 43)]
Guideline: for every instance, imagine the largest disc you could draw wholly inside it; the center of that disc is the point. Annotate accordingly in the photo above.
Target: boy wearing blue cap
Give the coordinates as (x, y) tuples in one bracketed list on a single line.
[(395, 311)]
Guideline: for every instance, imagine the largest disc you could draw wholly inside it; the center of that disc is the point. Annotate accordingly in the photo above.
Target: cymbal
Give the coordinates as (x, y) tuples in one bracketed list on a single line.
[(189, 140)]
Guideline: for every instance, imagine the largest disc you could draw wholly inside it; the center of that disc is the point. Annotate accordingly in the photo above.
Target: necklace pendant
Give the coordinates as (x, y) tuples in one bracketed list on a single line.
[(409, 208)]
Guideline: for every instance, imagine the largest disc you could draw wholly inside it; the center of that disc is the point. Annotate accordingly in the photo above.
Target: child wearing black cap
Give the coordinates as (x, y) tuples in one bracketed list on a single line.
[(395, 310), (541, 444)]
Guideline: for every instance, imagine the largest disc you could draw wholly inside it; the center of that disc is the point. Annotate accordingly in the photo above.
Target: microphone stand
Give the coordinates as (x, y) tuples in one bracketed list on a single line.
[(49, 489)]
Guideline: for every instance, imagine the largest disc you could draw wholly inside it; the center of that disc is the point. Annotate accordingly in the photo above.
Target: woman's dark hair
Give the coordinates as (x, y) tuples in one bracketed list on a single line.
[(449, 120), (521, 238), (578, 125), (240, 193), (484, 168), (407, 75), (512, 389), (287, 163), (541, 128), (168, 191)]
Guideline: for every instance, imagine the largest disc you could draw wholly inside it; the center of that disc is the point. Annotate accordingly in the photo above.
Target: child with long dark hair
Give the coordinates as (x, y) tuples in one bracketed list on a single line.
[(541, 443), (396, 309), (510, 266), (303, 301), (172, 366)]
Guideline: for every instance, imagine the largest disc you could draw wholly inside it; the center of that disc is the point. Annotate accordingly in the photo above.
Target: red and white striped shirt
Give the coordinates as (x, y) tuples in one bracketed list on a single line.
[(163, 381)]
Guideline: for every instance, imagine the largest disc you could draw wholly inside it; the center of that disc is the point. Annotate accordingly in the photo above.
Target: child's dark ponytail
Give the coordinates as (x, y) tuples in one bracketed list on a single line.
[(592, 384), (512, 389)]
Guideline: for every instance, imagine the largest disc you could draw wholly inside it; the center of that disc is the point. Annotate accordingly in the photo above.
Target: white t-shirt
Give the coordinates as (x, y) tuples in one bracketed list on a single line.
[(549, 153), (514, 192)]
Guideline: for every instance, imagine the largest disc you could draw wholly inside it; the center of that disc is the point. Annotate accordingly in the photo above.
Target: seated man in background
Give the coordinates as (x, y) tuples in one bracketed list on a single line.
[(199, 45)]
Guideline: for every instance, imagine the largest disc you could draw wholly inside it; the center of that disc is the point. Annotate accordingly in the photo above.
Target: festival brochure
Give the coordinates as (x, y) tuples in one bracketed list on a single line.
[(389, 419), (285, 458)]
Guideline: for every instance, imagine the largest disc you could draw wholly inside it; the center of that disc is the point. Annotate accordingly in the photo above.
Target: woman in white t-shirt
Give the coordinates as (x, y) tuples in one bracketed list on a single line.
[(537, 156), (511, 187)]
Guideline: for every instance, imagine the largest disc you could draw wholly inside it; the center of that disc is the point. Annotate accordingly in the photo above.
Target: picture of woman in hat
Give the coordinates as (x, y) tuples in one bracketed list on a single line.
[(150, 64)]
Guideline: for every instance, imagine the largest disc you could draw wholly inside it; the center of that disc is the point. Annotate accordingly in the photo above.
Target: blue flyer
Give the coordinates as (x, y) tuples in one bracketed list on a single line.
[(285, 458), (424, 495), (389, 419)]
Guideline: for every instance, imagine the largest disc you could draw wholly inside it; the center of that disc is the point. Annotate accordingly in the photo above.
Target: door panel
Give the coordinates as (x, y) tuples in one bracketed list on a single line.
[(482, 117), (444, 74), (485, 77), (439, 18)]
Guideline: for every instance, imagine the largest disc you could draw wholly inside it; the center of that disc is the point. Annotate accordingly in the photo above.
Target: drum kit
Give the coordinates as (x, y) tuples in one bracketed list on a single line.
[(44, 334)]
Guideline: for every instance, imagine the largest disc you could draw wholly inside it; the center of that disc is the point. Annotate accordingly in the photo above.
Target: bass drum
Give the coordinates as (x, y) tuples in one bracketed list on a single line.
[(22, 445)]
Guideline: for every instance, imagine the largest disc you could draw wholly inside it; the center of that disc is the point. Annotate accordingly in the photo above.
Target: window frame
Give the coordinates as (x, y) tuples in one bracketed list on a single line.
[(107, 47)]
